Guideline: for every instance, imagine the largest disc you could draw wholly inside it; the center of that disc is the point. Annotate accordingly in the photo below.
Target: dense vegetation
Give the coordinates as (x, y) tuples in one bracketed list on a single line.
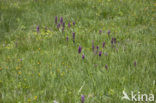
[(99, 49)]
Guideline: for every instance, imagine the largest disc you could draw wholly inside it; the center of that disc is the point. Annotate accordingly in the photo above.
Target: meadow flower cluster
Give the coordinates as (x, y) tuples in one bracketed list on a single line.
[(60, 26)]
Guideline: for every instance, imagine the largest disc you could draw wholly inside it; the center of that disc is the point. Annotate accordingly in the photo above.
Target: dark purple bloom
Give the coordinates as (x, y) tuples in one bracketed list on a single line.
[(79, 50), (100, 53), (106, 66), (58, 26), (37, 29), (103, 44), (135, 63), (100, 31), (97, 47), (93, 45), (108, 32), (56, 20), (74, 23), (67, 38), (74, 37), (63, 24), (63, 29), (69, 25), (83, 56), (82, 99), (115, 40), (112, 41), (61, 20)]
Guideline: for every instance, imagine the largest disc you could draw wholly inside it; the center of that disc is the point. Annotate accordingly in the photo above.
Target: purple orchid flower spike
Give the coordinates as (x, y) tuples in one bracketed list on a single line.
[(63, 29), (74, 23), (106, 66), (108, 32), (135, 63), (67, 38), (74, 37), (112, 41), (93, 46), (69, 25), (79, 49), (100, 53), (63, 24), (100, 31), (103, 44), (97, 47), (56, 20), (83, 56), (58, 26), (61, 20), (82, 99), (37, 29)]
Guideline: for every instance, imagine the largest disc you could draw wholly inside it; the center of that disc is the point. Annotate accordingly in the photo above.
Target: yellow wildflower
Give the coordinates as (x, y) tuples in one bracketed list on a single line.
[(62, 74), (19, 72), (35, 97), (111, 91), (29, 100), (39, 74), (39, 63), (17, 68)]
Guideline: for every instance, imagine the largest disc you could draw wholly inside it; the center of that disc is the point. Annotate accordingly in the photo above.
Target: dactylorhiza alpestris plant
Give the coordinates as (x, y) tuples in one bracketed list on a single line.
[(100, 31), (135, 63), (79, 49), (82, 98), (61, 20), (37, 29), (83, 56), (56, 20), (74, 23), (63, 25), (69, 25), (100, 53), (73, 37), (58, 25), (108, 32), (93, 46), (67, 38), (106, 66)]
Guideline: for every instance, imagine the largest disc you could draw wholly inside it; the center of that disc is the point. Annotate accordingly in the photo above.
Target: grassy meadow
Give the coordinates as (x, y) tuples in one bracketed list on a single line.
[(98, 49)]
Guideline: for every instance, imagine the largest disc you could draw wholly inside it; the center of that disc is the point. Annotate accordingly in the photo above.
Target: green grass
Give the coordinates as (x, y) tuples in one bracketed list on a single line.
[(43, 67)]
